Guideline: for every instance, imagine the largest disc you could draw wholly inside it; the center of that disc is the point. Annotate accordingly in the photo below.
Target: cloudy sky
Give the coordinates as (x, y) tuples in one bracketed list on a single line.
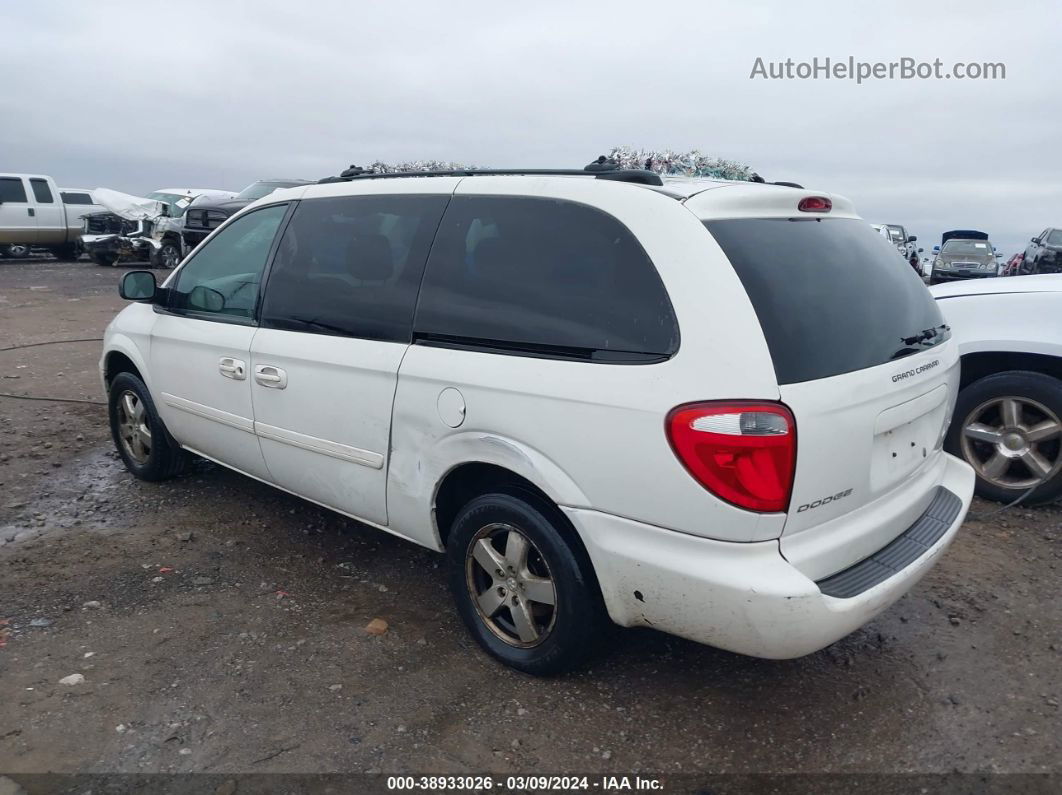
[(137, 96)]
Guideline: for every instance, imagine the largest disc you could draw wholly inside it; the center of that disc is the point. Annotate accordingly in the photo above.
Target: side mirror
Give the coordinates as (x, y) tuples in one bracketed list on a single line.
[(138, 286), (921, 250), (936, 249), (913, 238), (1036, 240), (205, 299)]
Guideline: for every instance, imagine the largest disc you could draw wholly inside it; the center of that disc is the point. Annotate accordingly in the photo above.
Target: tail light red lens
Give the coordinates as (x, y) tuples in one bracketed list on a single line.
[(815, 204), (743, 452)]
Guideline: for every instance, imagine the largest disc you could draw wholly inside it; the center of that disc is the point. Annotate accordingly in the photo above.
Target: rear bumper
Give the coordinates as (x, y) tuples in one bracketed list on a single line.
[(743, 597)]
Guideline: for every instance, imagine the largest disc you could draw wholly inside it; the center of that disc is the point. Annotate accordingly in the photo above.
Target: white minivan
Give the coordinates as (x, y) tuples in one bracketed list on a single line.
[(713, 408)]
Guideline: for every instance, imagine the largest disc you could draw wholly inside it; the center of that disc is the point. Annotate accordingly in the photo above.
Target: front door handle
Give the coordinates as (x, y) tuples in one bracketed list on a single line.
[(270, 376), (232, 368), (31, 211)]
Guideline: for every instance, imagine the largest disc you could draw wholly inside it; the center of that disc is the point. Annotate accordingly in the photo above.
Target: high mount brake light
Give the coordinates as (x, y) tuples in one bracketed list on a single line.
[(743, 452), (815, 204)]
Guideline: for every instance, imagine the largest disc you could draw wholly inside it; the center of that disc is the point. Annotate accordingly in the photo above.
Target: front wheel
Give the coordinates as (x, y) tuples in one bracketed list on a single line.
[(167, 256), (146, 447), (1008, 427), (525, 593)]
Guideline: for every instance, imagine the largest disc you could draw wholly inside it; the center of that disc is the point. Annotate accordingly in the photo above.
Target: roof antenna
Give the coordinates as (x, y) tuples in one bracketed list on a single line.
[(353, 171)]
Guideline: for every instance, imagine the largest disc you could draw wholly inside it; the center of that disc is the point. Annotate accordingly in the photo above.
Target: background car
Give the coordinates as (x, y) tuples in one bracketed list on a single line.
[(1013, 266), (1007, 422), (1044, 253), (207, 213), (964, 258)]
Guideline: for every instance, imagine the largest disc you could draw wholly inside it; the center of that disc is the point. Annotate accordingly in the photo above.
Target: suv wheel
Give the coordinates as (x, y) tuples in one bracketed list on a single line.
[(1008, 427), (143, 442), (520, 588)]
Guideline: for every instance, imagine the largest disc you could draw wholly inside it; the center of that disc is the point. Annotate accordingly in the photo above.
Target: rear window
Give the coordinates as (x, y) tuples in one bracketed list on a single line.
[(70, 197), (543, 277), (831, 295)]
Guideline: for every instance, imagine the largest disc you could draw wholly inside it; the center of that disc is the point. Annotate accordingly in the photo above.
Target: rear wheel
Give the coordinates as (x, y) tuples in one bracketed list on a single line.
[(1008, 427), (17, 251), (144, 444), (521, 589), (68, 252)]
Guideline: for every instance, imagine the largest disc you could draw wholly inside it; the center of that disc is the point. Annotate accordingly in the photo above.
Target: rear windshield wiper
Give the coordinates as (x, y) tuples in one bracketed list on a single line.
[(925, 335)]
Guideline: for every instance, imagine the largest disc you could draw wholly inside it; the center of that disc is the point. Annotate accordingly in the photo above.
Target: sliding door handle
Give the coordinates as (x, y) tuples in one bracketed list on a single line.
[(232, 368), (270, 376)]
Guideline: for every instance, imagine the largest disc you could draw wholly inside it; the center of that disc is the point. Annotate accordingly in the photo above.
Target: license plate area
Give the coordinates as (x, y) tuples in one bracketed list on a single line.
[(900, 451)]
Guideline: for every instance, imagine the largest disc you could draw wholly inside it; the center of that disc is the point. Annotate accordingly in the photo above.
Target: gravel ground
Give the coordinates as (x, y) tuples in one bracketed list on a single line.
[(213, 624)]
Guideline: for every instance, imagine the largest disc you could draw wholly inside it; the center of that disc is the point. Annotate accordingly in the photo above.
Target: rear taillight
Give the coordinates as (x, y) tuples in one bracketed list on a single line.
[(815, 204), (743, 452)]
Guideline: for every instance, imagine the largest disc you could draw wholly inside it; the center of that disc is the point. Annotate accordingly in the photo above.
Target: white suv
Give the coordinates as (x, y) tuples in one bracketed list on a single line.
[(712, 408)]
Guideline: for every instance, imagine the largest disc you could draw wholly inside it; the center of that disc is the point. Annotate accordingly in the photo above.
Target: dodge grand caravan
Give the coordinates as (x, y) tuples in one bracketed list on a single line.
[(712, 408)]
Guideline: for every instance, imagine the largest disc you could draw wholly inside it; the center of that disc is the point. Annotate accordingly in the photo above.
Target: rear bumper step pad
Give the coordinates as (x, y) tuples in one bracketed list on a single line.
[(899, 553)]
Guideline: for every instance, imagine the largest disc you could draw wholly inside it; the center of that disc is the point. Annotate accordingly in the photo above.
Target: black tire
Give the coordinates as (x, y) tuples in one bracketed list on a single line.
[(1024, 385), (578, 616), (165, 458), (167, 256), (104, 259), (68, 252), (17, 251)]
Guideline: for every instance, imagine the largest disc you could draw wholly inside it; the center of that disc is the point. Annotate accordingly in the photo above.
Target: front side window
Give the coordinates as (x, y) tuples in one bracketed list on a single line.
[(41, 192), (1055, 238), (12, 190), (352, 265), (545, 277), (222, 278)]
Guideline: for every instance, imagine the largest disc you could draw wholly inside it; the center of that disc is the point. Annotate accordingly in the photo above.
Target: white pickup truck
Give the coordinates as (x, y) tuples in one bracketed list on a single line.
[(33, 214)]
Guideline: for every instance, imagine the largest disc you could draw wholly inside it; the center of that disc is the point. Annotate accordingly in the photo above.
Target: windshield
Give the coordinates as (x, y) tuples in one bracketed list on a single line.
[(896, 233), (260, 189), (977, 248), (830, 296), (176, 202), (1055, 238)]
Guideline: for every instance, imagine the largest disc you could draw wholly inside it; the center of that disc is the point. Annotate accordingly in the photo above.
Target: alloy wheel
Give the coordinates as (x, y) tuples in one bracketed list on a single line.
[(511, 585), (133, 430), (1013, 442)]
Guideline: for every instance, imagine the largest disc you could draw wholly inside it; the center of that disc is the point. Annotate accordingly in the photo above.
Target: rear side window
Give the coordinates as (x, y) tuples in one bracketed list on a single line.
[(221, 280), (41, 192), (831, 296), (75, 198), (352, 266), (543, 277), (12, 190)]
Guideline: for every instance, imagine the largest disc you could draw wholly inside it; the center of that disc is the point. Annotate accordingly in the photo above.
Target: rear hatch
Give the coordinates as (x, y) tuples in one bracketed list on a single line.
[(864, 362)]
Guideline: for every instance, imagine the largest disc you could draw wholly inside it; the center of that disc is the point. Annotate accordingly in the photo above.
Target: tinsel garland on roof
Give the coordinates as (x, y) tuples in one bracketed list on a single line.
[(661, 161), (687, 164)]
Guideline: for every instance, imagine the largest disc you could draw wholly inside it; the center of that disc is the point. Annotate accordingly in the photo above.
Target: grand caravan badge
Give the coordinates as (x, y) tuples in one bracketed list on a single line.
[(916, 371)]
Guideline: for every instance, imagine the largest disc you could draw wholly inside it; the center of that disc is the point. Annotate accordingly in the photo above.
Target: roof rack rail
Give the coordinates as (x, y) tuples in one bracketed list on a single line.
[(600, 169)]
